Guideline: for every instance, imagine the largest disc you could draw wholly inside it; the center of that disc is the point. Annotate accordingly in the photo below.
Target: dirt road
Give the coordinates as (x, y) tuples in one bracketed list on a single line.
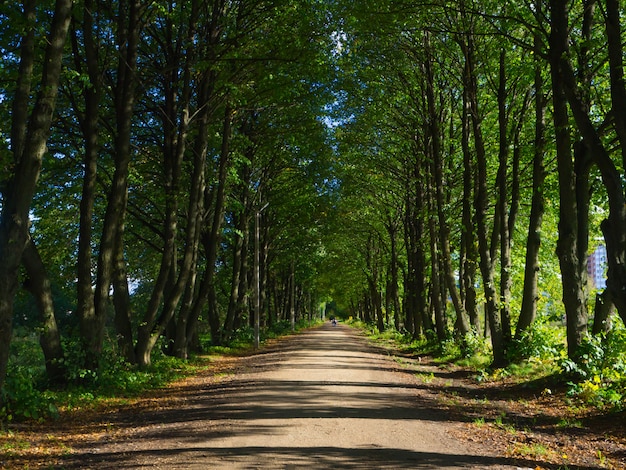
[(318, 400)]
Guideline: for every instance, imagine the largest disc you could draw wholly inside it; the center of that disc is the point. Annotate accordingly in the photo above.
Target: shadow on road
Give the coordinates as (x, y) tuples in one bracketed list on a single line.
[(306, 458), (309, 378)]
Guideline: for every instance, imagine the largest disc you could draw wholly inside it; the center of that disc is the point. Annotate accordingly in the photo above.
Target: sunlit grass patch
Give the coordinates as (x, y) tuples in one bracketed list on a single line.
[(534, 450), (425, 377)]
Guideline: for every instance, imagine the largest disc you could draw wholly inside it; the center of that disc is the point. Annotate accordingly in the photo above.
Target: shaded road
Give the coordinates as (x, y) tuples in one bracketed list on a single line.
[(319, 400)]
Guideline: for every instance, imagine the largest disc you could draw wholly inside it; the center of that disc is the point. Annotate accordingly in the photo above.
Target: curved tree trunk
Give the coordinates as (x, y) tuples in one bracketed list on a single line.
[(38, 284), (29, 134)]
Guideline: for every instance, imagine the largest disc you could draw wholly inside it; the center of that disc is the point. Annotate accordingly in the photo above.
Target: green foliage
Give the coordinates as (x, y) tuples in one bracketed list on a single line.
[(473, 345), (542, 340), (601, 369), (25, 394), (21, 396), (389, 335)]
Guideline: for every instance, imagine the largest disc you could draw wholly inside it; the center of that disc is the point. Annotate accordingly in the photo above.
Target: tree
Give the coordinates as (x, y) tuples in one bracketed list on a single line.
[(533, 241), (29, 133)]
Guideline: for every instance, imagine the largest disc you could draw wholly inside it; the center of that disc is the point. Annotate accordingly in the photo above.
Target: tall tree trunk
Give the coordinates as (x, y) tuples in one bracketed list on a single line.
[(150, 331), (174, 284), (212, 239), (613, 227), (461, 325), (394, 300), (412, 323), (481, 206), (243, 299), (235, 283), (29, 134), (574, 298), (264, 267), (292, 295), (128, 33), (89, 123), (530, 292), (184, 334), (372, 275), (414, 222), (503, 207), (437, 301), (469, 254), (121, 301)]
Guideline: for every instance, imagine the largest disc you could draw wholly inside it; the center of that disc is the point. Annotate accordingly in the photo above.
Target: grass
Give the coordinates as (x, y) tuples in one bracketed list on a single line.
[(567, 423), (533, 451), (425, 378), (479, 422), (499, 422), (14, 446)]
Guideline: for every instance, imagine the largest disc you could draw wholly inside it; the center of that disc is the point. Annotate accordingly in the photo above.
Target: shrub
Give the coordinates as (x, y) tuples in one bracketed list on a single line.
[(541, 340), (600, 369), (21, 396)]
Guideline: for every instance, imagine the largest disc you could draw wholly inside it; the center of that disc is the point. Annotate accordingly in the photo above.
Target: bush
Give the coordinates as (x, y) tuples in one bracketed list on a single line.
[(600, 369), (541, 340), (474, 344), (21, 395)]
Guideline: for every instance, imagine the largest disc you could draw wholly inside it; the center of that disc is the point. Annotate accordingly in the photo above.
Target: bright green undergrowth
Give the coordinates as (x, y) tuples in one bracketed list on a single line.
[(539, 357)]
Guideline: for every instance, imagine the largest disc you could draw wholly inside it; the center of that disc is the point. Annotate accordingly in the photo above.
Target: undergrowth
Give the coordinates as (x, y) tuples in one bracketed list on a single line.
[(597, 378), (27, 395)]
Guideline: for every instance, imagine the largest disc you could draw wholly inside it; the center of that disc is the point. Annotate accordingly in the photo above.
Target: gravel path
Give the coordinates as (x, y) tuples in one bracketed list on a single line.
[(318, 400)]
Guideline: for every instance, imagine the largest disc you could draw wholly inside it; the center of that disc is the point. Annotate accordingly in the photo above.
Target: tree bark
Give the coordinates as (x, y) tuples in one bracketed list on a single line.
[(29, 134), (122, 304), (503, 206), (481, 206), (461, 325), (530, 292), (89, 124), (436, 298), (374, 296), (38, 284), (574, 298), (604, 309), (469, 253), (615, 225), (238, 272), (128, 34), (212, 238), (176, 282), (394, 301)]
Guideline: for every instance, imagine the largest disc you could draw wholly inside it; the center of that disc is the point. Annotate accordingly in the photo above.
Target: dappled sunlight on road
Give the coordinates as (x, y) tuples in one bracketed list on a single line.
[(321, 399)]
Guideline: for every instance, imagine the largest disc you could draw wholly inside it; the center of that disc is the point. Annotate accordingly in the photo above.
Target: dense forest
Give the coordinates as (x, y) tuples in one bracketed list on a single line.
[(177, 173)]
